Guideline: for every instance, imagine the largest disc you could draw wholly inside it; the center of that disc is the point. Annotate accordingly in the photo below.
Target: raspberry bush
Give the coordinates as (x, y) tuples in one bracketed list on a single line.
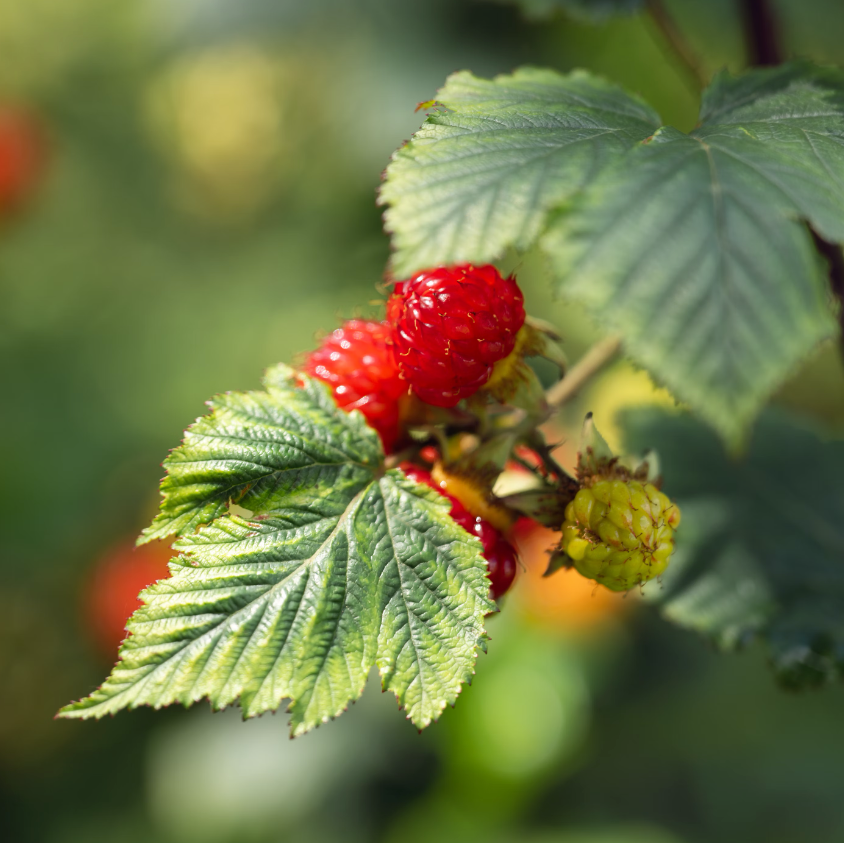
[(357, 512)]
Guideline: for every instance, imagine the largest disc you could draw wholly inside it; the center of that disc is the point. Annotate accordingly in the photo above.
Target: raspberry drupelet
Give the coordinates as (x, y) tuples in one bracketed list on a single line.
[(498, 552), (451, 325), (358, 363)]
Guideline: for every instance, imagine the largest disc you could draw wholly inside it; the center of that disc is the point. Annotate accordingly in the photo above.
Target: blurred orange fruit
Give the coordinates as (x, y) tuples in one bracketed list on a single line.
[(22, 156), (112, 592), (565, 600)]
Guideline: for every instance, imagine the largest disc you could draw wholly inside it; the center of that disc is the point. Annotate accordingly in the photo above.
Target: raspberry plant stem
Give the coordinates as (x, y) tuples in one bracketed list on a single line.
[(673, 37), (761, 33), (584, 370)]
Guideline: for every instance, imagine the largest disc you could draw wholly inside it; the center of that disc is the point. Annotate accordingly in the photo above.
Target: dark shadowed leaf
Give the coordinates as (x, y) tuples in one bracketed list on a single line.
[(760, 550), (692, 247)]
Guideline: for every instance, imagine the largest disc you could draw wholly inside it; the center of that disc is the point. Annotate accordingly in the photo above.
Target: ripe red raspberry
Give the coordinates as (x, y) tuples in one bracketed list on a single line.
[(358, 363), (116, 580), (452, 324), (501, 564), (22, 154), (498, 552)]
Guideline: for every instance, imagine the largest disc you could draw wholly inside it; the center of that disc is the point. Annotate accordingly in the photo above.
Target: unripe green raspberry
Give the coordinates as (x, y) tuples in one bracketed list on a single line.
[(620, 532)]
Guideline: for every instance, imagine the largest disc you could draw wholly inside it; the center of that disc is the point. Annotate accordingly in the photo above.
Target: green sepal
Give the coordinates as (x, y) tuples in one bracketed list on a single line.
[(544, 342), (594, 453), (557, 560), (521, 389), (546, 505)]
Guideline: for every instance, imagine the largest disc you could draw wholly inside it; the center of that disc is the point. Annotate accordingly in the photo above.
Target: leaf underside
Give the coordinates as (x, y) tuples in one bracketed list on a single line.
[(342, 567), (700, 264), (695, 250), (761, 547), (481, 174)]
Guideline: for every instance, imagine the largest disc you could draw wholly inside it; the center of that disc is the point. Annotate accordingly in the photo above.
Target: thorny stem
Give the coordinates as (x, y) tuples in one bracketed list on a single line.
[(678, 43), (590, 364), (536, 442)]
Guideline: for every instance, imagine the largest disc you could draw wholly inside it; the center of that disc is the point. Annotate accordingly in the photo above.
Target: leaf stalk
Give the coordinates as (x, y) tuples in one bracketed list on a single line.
[(673, 36), (585, 369)]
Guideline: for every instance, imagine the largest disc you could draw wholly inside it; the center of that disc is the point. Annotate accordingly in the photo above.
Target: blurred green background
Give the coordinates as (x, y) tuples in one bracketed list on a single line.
[(207, 208)]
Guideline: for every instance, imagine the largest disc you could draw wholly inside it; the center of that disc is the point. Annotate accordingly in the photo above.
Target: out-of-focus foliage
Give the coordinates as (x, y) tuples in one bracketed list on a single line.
[(144, 246), (590, 10), (763, 541)]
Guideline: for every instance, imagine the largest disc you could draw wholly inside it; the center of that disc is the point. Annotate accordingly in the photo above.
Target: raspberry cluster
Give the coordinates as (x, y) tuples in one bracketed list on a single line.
[(620, 533), (498, 552), (446, 328), (449, 332)]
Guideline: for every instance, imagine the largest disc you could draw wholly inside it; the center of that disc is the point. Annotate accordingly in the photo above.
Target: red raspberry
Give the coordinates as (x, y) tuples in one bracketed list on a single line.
[(501, 563), (498, 552), (112, 593), (22, 154), (357, 361), (452, 324)]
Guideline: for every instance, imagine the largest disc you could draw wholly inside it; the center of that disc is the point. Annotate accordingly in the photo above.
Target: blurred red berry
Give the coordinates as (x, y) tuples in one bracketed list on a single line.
[(358, 363), (498, 552), (117, 579), (22, 156), (452, 324), (501, 563)]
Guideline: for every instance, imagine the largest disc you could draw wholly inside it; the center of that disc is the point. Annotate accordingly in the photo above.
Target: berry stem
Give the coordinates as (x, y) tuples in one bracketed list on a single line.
[(583, 371)]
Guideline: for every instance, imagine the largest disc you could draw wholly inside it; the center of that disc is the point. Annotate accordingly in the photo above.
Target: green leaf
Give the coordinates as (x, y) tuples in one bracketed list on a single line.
[(482, 174), (692, 247), (760, 550), (255, 446), (797, 112), (341, 567), (589, 10)]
